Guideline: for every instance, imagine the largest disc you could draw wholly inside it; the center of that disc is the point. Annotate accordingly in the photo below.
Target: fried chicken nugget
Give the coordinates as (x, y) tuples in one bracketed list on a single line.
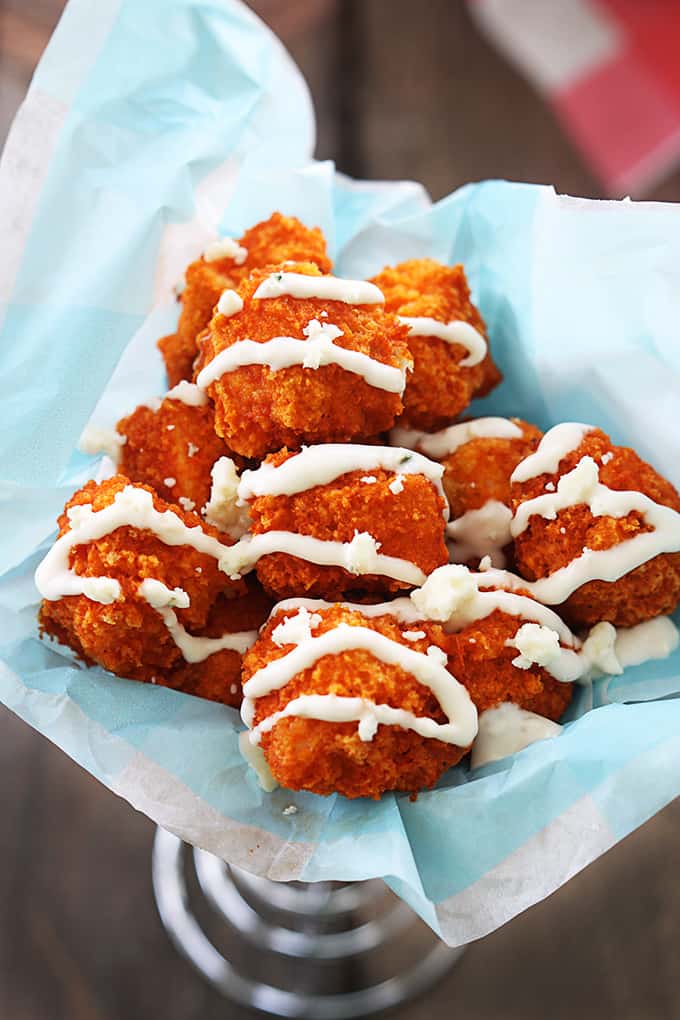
[(440, 387), (479, 469), (572, 532), (173, 449), (478, 456), (363, 757), (270, 242), (481, 657), (367, 510), (115, 624), (260, 409)]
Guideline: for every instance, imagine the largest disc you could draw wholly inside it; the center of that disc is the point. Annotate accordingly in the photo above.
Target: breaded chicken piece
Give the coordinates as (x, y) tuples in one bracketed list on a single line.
[(330, 757), (173, 448), (218, 678), (178, 357), (259, 410), (481, 658), (478, 456), (477, 478), (479, 470), (649, 590), (128, 636), (267, 243), (440, 388), (402, 513)]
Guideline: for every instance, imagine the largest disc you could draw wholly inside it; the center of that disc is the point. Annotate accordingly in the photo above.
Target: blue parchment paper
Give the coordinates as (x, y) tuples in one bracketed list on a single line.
[(129, 154)]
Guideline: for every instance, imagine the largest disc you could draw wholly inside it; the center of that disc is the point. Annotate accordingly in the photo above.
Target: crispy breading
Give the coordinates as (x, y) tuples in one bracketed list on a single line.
[(324, 757), (649, 590), (408, 524), (218, 678), (129, 637), (258, 410), (255, 412), (439, 388), (177, 442), (480, 469), (481, 658)]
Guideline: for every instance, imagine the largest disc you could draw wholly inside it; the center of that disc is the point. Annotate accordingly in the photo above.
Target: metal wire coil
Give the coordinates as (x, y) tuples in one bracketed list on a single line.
[(269, 922)]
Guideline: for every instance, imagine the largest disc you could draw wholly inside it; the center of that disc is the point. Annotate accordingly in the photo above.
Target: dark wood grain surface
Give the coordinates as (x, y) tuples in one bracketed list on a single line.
[(401, 90)]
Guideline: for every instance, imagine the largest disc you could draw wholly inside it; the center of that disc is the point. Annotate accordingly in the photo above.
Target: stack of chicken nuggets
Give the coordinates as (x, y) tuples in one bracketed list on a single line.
[(307, 526)]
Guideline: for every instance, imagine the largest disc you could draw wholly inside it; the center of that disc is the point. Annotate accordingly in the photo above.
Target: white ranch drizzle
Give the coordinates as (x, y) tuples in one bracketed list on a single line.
[(153, 403), (194, 649), (367, 713), (254, 757), (295, 629), (222, 509), (226, 248), (492, 577), (506, 729), (197, 649), (582, 486), (230, 303), (452, 596), (360, 556), (443, 443), (653, 639), (540, 645), (316, 352), (131, 507), (95, 439), (402, 608), (319, 465), (556, 444), (326, 288), (429, 670), (456, 332), (187, 393), (596, 656), (481, 532)]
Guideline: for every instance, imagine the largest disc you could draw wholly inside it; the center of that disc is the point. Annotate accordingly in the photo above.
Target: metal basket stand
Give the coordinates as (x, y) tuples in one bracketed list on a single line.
[(324, 950)]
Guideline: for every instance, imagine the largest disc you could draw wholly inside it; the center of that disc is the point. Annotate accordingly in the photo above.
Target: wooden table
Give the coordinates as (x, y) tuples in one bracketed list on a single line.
[(402, 90)]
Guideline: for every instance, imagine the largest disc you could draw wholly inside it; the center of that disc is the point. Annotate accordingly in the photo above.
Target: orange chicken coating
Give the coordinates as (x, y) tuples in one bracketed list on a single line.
[(652, 589), (268, 243), (129, 637), (258, 410), (327, 757), (480, 658), (176, 441), (408, 524), (480, 469), (177, 359), (439, 389), (280, 239), (218, 678)]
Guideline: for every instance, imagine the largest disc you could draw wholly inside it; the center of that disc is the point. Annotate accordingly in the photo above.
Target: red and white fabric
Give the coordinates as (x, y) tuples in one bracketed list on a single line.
[(611, 71)]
